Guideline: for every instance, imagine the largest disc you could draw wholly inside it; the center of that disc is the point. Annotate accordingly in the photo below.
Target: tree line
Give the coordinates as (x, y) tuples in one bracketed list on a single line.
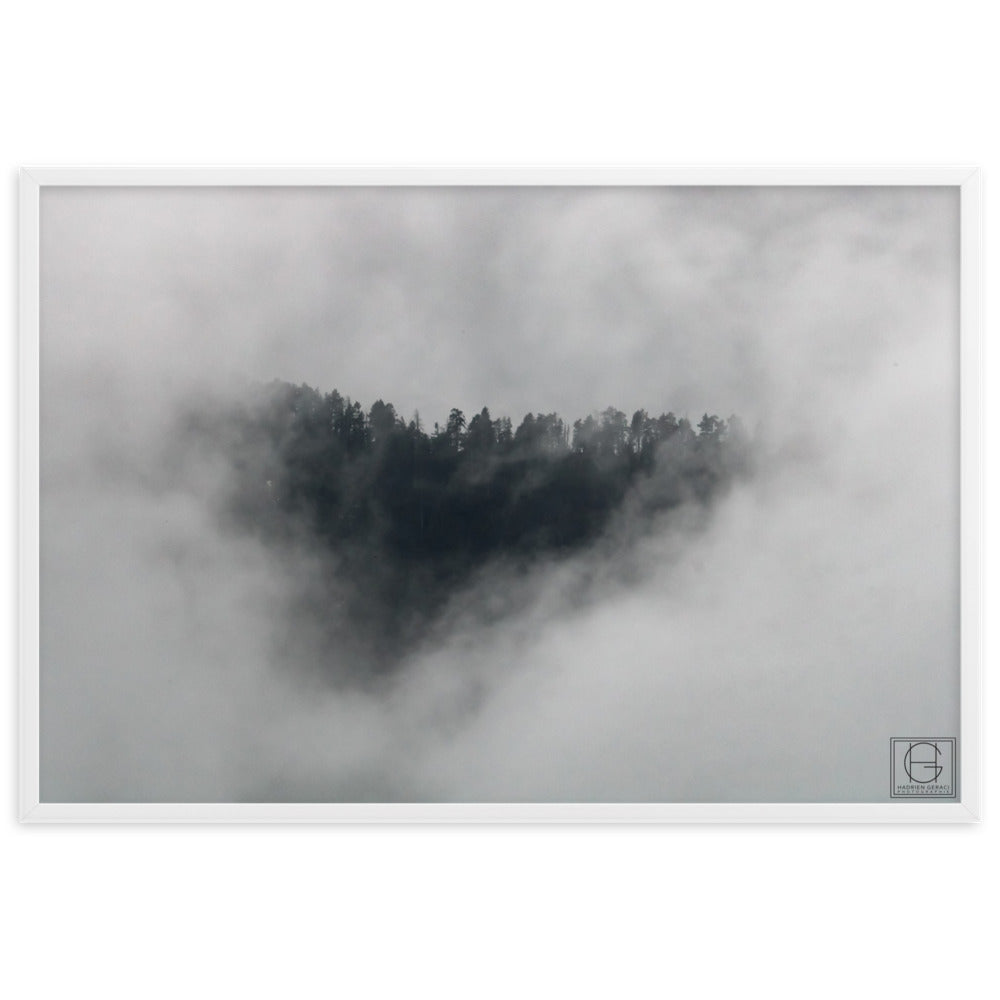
[(470, 487), (410, 511)]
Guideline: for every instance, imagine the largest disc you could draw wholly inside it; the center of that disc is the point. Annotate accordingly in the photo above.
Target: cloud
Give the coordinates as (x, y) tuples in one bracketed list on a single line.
[(767, 653)]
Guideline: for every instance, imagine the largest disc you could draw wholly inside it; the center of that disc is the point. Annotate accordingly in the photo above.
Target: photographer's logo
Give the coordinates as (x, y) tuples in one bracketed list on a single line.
[(922, 768)]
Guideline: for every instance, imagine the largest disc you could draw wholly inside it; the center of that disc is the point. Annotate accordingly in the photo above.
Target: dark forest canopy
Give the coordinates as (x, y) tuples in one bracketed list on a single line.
[(407, 512)]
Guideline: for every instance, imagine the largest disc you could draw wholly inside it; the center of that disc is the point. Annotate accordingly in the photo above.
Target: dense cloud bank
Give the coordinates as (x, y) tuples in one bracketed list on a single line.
[(763, 646)]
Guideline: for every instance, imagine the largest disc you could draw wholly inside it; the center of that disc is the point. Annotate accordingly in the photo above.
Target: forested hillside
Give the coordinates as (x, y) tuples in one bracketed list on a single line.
[(407, 513)]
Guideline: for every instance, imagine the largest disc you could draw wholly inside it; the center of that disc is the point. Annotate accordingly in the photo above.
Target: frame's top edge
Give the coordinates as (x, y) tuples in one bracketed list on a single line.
[(550, 174)]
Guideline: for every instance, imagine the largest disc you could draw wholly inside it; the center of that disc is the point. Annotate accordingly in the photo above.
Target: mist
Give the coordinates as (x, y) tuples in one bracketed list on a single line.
[(762, 648)]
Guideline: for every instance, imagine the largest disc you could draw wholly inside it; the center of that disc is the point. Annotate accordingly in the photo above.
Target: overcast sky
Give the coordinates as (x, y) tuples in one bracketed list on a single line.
[(522, 299), (815, 618)]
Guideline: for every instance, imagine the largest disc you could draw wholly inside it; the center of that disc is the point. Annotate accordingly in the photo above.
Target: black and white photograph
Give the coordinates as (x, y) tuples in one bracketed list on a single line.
[(499, 500), (499, 494)]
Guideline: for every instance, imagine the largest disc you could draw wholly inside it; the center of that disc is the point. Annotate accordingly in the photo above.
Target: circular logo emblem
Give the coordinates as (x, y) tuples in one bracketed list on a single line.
[(921, 762)]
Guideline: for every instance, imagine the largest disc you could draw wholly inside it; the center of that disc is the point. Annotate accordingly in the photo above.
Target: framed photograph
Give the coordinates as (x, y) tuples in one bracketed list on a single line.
[(550, 495)]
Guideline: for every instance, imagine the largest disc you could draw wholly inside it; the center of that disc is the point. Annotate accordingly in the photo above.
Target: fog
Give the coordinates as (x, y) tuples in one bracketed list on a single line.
[(765, 649)]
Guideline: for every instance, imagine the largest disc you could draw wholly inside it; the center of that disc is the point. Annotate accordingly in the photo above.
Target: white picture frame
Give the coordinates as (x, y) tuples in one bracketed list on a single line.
[(965, 808)]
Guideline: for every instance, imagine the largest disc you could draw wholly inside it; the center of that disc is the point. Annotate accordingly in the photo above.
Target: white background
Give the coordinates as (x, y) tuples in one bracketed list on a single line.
[(205, 911)]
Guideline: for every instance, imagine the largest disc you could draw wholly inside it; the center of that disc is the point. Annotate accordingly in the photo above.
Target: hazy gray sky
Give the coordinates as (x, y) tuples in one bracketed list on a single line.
[(813, 619), (522, 299)]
